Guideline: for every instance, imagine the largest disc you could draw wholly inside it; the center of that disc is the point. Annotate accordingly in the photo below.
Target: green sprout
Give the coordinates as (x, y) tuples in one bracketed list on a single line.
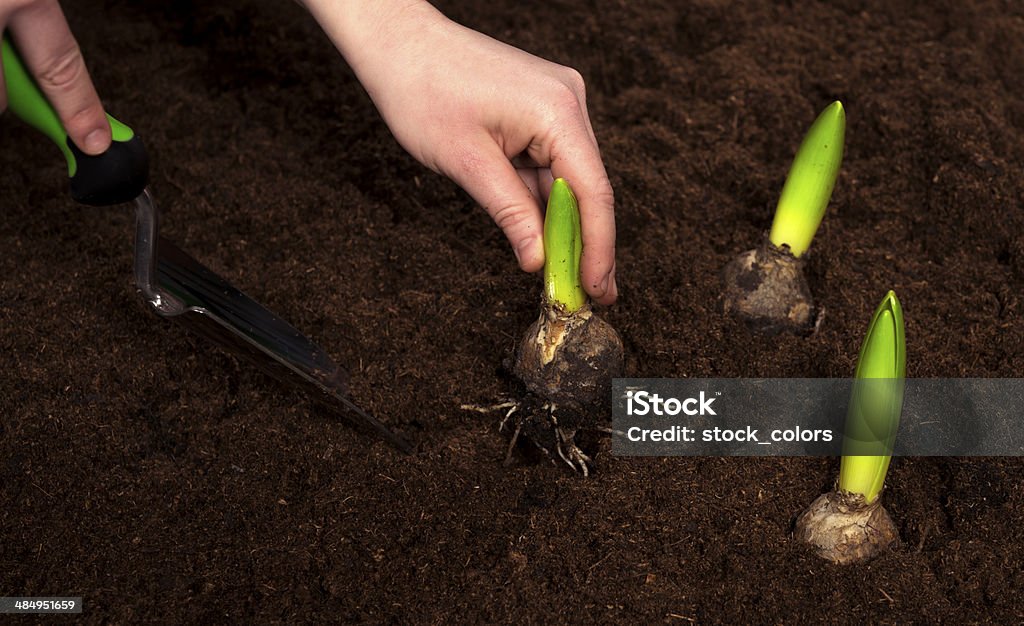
[(563, 247), (810, 181), (567, 359), (876, 405)]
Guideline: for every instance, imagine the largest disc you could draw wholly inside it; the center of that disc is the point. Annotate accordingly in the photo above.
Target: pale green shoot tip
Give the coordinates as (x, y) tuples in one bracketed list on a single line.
[(810, 181), (563, 248), (875, 407)]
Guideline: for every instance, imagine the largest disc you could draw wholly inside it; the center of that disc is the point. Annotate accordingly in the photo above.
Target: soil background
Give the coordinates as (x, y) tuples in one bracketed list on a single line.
[(164, 480)]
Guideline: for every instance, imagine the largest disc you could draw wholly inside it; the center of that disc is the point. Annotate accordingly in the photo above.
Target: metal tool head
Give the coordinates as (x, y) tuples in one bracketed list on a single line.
[(178, 287)]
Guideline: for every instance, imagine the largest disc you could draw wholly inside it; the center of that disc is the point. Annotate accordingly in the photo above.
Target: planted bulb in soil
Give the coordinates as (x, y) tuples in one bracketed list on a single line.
[(567, 360), (766, 287), (844, 528)]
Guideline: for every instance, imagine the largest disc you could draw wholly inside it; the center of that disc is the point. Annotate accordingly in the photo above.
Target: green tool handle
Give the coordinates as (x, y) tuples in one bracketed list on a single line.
[(115, 176)]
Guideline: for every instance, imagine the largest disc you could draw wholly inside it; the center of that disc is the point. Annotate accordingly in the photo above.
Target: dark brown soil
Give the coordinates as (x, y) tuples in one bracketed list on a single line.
[(163, 480)]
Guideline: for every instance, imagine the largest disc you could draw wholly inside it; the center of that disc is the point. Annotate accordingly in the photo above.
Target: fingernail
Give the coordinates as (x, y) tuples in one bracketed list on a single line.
[(95, 142), (604, 284), (525, 250)]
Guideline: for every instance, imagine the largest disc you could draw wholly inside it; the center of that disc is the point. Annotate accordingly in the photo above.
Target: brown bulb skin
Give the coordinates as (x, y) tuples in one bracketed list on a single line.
[(844, 528), (569, 359), (766, 288)]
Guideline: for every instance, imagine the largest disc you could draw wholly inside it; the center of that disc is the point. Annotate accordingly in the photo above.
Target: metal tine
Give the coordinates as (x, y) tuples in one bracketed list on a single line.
[(181, 288)]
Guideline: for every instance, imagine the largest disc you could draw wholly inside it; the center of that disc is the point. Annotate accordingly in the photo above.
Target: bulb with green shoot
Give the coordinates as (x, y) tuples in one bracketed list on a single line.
[(766, 286), (850, 524), (568, 357)]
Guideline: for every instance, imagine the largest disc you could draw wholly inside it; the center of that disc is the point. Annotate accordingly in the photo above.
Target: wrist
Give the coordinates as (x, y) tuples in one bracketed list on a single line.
[(365, 30)]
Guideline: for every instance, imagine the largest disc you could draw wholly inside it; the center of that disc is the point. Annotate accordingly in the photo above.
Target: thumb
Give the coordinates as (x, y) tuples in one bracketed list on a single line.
[(485, 173), (52, 56)]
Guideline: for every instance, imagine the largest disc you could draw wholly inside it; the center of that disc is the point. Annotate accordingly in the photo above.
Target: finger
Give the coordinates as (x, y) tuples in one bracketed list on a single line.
[(575, 157), (484, 171), (545, 179), (52, 56), (539, 181), (529, 177), (579, 88)]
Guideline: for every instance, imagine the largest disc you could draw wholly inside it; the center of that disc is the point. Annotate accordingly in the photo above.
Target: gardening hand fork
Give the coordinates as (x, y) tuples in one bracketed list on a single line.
[(173, 284)]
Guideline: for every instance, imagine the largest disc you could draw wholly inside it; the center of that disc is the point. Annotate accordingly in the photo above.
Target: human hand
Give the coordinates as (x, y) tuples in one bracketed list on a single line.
[(52, 56), (498, 121)]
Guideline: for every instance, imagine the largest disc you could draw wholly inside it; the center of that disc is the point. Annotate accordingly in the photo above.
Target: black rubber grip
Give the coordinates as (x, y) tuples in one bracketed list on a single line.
[(118, 175)]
